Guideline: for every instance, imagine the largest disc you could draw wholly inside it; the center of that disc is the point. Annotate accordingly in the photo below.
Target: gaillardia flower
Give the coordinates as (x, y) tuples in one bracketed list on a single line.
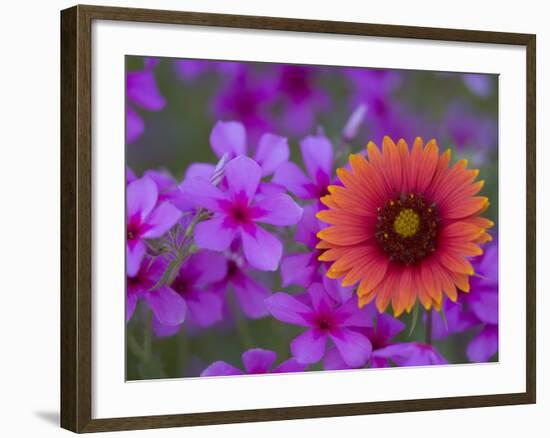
[(404, 225)]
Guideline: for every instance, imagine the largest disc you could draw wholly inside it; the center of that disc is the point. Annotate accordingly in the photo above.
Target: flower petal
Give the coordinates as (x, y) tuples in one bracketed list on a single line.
[(203, 193), (308, 227), (290, 176), (134, 255), (484, 345), (131, 300), (167, 305), (161, 219), (320, 299), (207, 267), (262, 250), (350, 315), (258, 360), (214, 234), (333, 360), (141, 197), (243, 176), (228, 137), (300, 269), (271, 153), (309, 347), (142, 89), (318, 157), (134, 125), (221, 368), (289, 366), (199, 170), (286, 308), (278, 210), (354, 347), (251, 296), (205, 308)]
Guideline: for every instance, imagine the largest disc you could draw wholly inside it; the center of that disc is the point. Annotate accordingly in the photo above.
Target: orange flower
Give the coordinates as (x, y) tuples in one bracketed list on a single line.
[(403, 225)]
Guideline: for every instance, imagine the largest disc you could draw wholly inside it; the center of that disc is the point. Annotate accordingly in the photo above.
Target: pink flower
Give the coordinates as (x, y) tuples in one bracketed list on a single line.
[(145, 220), (236, 213), (325, 319)]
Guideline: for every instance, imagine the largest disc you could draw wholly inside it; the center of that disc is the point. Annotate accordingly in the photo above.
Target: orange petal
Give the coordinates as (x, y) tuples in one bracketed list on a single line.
[(339, 217), (375, 273), (455, 263), (426, 168), (461, 281), (461, 231), (468, 207), (344, 235), (392, 164)]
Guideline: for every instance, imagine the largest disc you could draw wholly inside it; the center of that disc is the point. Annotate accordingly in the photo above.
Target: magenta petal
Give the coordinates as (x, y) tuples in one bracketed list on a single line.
[(288, 309), (213, 234), (251, 296), (141, 197), (168, 306), (131, 300), (308, 227), (411, 354), (290, 366), (141, 89), (262, 250), (228, 137), (243, 176), (290, 176), (208, 267), (485, 306), (309, 347), (317, 155), (298, 269), (270, 189), (205, 308), (350, 315), (199, 170), (258, 360), (387, 327), (278, 210), (134, 255), (162, 218), (130, 176), (333, 360), (320, 300), (162, 178), (203, 193), (354, 347), (221, 368), (336, 291), (134, 125), (484, 345), (164, 331), (272, 152)]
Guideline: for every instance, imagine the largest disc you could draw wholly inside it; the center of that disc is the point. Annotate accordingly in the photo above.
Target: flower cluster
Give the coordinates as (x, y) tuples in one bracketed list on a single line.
[(291, 242)]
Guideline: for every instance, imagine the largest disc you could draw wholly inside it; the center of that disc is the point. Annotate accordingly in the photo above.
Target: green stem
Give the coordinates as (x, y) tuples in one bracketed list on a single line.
[(242, 325), (135, 348), (429, 325)]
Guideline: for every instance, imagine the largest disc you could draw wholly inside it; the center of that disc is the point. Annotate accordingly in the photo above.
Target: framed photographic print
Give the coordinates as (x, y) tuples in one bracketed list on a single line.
[(268, 218)]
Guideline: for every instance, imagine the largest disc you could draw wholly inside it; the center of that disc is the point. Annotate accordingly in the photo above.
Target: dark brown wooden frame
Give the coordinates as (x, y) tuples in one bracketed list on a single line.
[(76, 236)]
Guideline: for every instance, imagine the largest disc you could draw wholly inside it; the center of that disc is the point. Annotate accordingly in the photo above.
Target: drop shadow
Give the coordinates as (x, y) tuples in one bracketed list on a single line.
[(51, 417)]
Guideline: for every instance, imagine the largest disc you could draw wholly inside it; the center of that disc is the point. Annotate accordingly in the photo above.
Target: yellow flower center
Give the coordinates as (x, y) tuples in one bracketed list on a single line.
[(406, 223)]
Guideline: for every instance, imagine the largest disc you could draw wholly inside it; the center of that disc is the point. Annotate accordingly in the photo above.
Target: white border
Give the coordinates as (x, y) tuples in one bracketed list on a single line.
[(112, 397)]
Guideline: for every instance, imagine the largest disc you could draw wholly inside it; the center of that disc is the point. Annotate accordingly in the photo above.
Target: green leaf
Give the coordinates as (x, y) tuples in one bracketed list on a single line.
[(168, 275), (416, 311), (444, 318)]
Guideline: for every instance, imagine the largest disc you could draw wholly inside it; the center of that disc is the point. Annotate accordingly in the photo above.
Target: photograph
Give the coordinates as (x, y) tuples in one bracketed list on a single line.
[(285, 218)]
